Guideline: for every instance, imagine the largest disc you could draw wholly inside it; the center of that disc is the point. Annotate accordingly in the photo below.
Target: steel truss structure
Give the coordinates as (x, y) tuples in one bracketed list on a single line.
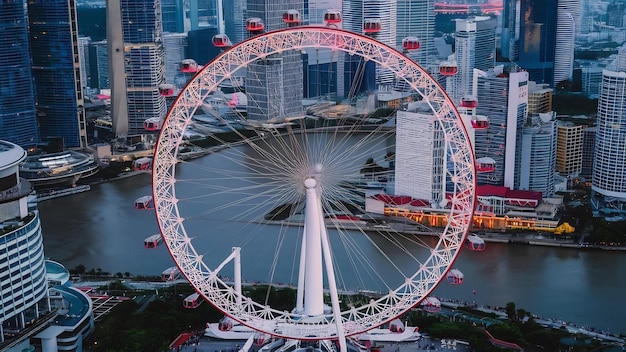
[(355, 320)]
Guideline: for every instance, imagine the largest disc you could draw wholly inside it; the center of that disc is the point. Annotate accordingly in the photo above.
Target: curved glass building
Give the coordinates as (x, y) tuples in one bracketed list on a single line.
[(23, 282)]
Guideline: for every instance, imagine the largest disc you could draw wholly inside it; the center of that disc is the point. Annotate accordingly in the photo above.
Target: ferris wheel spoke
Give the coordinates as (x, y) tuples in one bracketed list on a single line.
[(284, 184)]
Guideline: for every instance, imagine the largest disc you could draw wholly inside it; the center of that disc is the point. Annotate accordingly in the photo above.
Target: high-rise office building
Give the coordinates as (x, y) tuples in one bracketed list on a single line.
[(99, 65), (539, 98), (175, 47), (589, 146), (537, 168), (485, 43), (18, 122), (418, 130), (56, 69), (272, 84), (591, 78), (509, 36), (609, 168), (566, 30), (529, 36), (358, 13), (475, 47), (416, 18), (173, 15), (569, 149), (615, 14), (235, 14), (537, 42), (462, 82), (380, 18), (136, 64), (85, 65), (503, 97)]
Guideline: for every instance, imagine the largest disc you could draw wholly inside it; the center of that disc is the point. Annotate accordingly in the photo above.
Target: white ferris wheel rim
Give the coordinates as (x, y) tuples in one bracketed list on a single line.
[(287, 324)]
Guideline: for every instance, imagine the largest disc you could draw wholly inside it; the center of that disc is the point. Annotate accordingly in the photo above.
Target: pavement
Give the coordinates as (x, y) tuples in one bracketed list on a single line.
[(205, 344)]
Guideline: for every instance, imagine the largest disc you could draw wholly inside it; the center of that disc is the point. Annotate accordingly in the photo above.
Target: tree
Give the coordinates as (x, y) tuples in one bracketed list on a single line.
[(511, 313)]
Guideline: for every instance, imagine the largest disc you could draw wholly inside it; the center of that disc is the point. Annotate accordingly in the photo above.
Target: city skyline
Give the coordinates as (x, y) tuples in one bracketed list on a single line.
[(471, 51), (502, 71)]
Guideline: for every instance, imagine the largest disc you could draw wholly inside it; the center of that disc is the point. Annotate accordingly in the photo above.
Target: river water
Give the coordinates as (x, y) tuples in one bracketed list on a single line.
[(101, 229)]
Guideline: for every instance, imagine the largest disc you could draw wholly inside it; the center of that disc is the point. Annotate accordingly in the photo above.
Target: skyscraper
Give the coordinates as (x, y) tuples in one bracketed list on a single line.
[(503, 97), (589, 146), (57, 71), (529, 36), (565, 32), (569, 149), (381, 15), (358, 12), (235, 13), (537, 168), (485, 43), (539, 98), (85, 68), (100, 65), (22, 260), (609, 168), (18, 123), (276, 81), (173, 15), (462, 82), (136, 63), (38, 313), (416, 18), (418, 131), (174, 46), (510, 29)]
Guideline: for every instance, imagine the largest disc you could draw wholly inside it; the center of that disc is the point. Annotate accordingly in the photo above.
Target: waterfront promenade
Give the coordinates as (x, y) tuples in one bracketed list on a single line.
[(535, 238), (449, 309)]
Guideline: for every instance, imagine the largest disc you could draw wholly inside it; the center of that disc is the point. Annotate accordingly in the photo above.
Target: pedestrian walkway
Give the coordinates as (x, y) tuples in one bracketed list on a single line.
[(204, 344)]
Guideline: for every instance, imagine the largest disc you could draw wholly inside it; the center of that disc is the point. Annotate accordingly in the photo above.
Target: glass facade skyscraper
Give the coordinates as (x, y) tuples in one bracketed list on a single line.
[(503, 97), (273, 83), (57, 72), (18, 122), (529, 36), (144, 61), (234, 20), (173, 15), (416, 18), (537, 42)]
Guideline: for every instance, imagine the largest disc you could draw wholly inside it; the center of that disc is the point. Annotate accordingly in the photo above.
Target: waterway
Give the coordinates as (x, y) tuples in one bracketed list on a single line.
[(100, 229)]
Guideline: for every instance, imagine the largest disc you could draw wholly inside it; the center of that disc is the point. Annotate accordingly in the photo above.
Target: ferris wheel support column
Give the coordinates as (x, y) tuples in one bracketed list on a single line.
[(237, 273), (313, 280), (332, 284), (300, 292)]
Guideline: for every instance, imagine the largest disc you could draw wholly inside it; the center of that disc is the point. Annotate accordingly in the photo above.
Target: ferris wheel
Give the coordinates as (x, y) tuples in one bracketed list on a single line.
[(322, 194)]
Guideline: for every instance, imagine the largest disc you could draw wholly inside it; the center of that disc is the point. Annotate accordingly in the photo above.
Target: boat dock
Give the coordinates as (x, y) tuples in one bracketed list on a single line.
[(56, 193)]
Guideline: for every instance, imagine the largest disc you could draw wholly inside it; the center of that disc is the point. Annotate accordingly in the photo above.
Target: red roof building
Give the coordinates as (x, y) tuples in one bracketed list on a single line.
[(500, 198)]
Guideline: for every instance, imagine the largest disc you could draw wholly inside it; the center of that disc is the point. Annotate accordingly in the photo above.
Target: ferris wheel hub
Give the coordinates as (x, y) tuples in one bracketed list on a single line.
[(310, 183), (269, 171)]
